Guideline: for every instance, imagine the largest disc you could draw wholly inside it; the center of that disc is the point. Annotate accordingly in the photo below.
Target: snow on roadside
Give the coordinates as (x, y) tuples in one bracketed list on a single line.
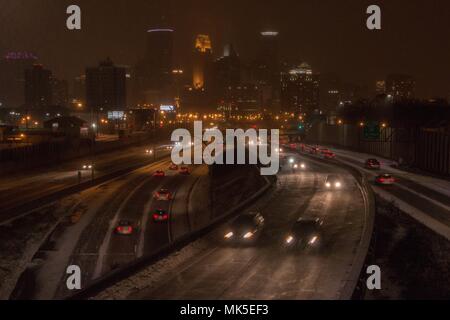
[(415, 213), (20, 240), (436, 184)]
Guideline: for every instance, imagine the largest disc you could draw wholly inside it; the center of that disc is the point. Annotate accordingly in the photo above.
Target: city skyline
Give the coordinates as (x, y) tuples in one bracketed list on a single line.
[(327, 41)]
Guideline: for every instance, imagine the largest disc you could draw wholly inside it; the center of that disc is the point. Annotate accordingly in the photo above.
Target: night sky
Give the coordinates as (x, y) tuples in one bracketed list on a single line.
[(330, 35)]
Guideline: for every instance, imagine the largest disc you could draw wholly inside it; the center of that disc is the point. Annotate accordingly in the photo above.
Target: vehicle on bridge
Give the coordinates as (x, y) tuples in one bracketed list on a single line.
[(173, 167), (160, 215), (334, 182), (124, 228), (385, 179), (373, 164), (306, 232), (246, 228), (163, 195), (159, 174)]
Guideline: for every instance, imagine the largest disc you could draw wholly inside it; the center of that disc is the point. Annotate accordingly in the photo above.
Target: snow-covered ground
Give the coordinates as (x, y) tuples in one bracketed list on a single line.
[(439, 185)]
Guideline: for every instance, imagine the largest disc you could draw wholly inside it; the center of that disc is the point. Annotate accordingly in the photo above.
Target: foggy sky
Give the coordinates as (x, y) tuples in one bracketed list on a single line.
[(330, 35)]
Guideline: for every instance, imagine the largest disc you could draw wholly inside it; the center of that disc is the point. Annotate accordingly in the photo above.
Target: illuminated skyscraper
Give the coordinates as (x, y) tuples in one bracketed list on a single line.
[(300, 89), (202, 62), (400, 86)]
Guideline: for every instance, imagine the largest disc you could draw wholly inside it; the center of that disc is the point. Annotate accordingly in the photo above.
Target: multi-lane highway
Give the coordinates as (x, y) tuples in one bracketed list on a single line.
[(86, 236), (19, 189), (266, 269)]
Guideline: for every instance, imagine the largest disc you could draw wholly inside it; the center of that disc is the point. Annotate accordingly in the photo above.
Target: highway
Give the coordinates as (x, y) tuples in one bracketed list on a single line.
[(86, 236), (425, 197), (19, 189), (267, 270)]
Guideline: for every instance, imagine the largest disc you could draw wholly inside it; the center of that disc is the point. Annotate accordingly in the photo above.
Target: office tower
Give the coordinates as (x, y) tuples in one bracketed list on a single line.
[(38, 88), (300, 90), (106, 87), (202, 62), (400, 86)]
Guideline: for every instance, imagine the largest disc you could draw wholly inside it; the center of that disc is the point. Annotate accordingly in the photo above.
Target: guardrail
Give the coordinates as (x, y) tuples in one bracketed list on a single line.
[(359, 261), (132, 268)]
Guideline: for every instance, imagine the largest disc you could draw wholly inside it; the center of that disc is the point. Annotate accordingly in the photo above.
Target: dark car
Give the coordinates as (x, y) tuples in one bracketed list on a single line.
[(306, 232), (124, 228), (160, 215), (373, 164), (245, 228), (334, 182)]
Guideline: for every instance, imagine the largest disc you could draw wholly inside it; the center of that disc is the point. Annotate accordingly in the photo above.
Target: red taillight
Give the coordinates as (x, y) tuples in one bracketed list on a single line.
[(119, 229), (166, 217)]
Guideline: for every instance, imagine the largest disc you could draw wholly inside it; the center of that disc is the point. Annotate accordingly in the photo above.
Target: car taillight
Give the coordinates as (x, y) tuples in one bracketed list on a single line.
[(119, 229)]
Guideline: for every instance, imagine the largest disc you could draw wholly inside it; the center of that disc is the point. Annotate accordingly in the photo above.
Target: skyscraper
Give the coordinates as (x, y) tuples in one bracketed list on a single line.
[(153, 73), (300, 90), (202, 62), (268, 61), (38, 89), (106, 87), (400, 86)]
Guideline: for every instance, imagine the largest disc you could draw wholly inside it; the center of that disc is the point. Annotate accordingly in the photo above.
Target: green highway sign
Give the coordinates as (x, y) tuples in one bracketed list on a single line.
[(372, 131)]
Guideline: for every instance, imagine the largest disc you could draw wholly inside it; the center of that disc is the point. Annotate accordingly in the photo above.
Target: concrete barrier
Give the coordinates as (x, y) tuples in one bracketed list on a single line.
[(112, 278)]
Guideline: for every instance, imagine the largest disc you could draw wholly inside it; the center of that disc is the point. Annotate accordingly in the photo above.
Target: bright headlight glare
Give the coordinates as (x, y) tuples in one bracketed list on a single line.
[(328, 185), (338, 184), (248, 235), (229, 235), (289, 239), (313, 240), (303, 166)]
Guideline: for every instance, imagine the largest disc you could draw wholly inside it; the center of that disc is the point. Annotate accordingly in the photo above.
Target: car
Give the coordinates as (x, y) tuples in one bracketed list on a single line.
[(173, 167), (163, 195), (185, 171), (314, 150), (373, 164), (159, 174), (385, 179), (246, 228), (333, 182), (124, 228), (160, 215), (305, 233), (329, 155)]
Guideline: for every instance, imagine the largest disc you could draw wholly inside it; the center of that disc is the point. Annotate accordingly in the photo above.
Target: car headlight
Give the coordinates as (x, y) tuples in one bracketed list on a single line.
[(303, 166), (295, 166), (229, 235), (313, 240), (248, 235), (291, 161), (338, 184), (289, 239), (328, 185)]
